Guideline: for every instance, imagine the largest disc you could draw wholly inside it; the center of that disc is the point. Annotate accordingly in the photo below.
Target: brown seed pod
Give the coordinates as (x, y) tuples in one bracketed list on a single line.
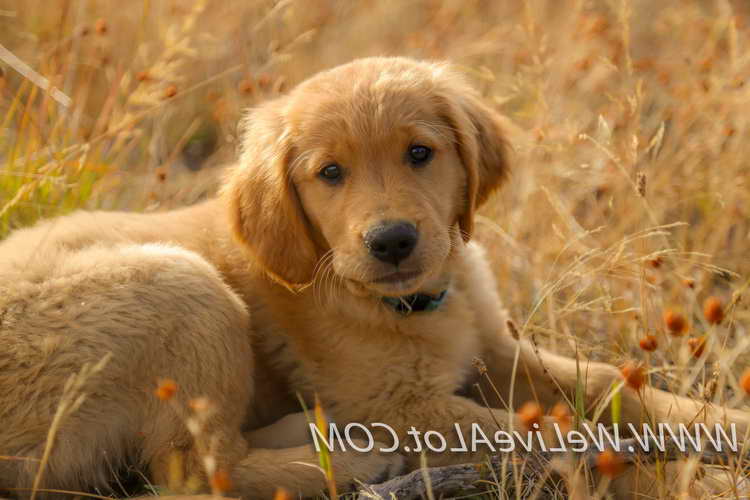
[(166, 389), (170, 91), (246, 86), (264, 80), (100, 26), (610, 464), (561, 414), (713, 310), (531, 413), (634, 374), (649, 343), (221, 481), (282, 494), (745, 381), (675, 323)]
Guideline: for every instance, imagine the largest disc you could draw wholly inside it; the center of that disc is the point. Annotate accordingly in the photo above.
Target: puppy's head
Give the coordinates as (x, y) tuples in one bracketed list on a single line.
[(371, 171)]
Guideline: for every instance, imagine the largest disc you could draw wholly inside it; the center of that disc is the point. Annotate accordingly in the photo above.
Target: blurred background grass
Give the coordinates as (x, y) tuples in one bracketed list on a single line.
[(629, 120)]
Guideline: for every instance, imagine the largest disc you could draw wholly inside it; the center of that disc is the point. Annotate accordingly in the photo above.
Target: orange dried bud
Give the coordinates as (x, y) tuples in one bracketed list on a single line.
[(633, 374), (745, 381), (166, 389), (713, 310), (561, 414), (220, 481), (101, 26), (697, 346), (649, 343), (264, 80), (675, 322), (656, 262), (170, 91), (282, 494), (530, 413), (246, 86), (610, 464), (689, 283), (199, 405), (142, 76)]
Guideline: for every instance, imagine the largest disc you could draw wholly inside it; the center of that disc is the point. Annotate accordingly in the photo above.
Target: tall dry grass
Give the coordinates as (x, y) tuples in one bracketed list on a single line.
[(630, 196)]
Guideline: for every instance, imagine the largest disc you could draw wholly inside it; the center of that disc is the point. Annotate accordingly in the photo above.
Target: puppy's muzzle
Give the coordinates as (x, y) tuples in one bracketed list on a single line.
[(392, 242)]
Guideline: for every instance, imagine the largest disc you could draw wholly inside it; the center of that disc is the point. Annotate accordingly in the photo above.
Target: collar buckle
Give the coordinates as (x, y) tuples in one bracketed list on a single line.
[(416, 302)]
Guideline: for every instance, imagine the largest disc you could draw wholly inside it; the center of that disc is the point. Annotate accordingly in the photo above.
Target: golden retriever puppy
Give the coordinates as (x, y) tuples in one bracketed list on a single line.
[(344, 231)]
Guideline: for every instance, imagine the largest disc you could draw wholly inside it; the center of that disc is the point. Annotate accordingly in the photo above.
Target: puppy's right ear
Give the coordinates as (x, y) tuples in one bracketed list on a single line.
[(265, 212)]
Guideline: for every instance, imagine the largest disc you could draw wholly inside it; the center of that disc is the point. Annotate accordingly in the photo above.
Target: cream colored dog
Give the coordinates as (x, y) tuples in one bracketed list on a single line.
[(336, 262)]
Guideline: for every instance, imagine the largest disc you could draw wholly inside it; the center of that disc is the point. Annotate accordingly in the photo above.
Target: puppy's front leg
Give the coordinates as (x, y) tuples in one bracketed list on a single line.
[(453, 430), (262, 471), (545, 377)]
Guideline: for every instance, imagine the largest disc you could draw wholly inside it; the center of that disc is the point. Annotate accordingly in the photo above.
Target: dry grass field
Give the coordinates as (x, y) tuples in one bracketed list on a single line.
[(629, 200)]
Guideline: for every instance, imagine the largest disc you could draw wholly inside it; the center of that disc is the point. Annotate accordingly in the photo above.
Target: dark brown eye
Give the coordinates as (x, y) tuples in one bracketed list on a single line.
[(419, 155), (331, 173)]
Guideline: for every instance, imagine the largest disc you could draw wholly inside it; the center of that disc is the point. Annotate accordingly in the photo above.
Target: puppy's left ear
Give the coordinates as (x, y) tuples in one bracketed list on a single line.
[(480, 144)]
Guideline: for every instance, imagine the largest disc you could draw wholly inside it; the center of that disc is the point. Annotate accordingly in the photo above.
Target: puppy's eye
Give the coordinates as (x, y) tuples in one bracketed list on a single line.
[(418, 155), (331, 173)]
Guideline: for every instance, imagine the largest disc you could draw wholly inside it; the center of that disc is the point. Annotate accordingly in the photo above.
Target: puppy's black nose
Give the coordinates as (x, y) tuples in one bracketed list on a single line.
[(392, 242)]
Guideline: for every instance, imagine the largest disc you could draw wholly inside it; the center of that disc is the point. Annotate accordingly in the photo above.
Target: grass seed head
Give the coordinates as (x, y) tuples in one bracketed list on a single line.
[(513, 329), (479, 365), (641, 184)]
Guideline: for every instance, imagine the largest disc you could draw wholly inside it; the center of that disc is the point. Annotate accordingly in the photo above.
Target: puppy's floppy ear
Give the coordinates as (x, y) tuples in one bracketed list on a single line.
[(265, 212), (480, 144)]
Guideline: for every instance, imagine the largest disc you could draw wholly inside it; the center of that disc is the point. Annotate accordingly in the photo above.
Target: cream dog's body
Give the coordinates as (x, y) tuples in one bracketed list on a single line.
[(168, 295)]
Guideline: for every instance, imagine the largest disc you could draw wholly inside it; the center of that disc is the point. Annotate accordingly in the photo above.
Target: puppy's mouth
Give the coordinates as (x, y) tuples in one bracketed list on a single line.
[(398, 277)]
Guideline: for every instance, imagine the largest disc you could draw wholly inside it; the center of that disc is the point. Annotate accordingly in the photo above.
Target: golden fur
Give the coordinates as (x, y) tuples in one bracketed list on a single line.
[(168, 295)]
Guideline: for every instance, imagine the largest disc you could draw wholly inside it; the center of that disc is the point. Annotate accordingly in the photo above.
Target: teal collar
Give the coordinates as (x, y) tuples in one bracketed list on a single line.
[(417, 302)]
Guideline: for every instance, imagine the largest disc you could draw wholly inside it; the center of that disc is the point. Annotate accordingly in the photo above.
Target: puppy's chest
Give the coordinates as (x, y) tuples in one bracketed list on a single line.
[(392, 356)]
